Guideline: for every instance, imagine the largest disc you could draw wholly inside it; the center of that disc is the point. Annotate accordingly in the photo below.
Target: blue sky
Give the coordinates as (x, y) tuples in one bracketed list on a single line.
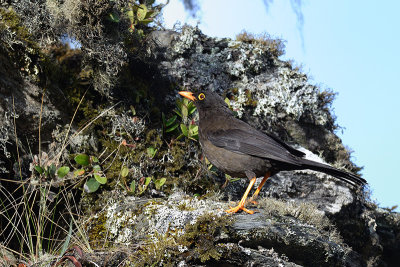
[(351, 47)]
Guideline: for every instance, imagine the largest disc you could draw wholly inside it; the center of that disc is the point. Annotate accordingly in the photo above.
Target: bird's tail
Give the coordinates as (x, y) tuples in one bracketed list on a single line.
[(342, 175)]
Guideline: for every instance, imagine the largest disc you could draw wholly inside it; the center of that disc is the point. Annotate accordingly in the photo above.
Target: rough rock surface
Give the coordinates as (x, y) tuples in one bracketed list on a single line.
[(21, 99)]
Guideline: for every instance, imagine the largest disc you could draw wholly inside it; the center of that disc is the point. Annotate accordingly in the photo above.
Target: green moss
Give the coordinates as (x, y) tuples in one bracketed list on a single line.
[(200, 237), (178, 153), (97, 232), (196, 244)]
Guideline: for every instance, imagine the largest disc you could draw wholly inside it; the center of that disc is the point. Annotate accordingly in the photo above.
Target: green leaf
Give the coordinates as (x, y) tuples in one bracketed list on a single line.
[(130, 15), (133, 186), (193, 132), (184, 109), (191, 108), (96, 168), (193, 129), (159, 183), (94, 159), (184, 129), (163, 118), (147, 182), (141, 12), (39, 169), (82, 159), (124, 172), (100, 179), (171, 120), (91, 185), (234, 180), (79, 172), (228, 102), (172, 128), (178, 112), (151, 152), (62, 171)]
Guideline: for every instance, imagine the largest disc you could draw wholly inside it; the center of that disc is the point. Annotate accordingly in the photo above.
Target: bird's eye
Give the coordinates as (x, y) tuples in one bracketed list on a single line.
[(201, 96)]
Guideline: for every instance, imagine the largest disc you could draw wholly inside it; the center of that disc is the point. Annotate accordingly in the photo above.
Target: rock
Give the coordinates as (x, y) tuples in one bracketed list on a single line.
[(189, 227), (21, 99)]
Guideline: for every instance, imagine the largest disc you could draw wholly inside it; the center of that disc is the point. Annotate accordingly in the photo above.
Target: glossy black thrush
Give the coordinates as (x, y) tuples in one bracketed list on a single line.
[(240, 150)]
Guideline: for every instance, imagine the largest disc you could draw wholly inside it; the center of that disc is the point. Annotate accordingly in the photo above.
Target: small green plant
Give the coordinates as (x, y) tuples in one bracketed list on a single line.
[(124, 174), (90, 166), (143, 184), (169, 125), (191, 131), (159, 183), (137, 14), (184, 110), (51, 171)]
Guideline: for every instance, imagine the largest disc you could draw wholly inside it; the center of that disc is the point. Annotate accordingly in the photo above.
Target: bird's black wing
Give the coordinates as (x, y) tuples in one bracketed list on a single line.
[(253, 143)]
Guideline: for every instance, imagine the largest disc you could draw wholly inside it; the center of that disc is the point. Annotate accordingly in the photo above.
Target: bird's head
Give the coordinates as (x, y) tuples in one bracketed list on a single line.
[(206, 100)]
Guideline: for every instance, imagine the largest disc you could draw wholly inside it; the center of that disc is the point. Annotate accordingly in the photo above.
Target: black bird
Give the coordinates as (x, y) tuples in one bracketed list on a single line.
[(240, 150)]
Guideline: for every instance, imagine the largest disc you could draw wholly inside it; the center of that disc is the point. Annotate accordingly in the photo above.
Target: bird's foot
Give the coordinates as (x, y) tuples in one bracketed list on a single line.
[(239, 207)]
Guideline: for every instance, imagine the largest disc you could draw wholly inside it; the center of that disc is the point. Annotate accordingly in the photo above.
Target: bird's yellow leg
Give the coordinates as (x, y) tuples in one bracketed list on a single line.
[(240, 206), (254, 197)]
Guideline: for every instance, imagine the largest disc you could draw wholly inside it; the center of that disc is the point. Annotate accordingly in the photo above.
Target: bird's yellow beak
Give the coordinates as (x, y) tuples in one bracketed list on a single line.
[(188, 95)]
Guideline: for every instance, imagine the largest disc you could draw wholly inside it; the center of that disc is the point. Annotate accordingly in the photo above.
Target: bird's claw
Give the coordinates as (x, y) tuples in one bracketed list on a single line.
[(239, 207)]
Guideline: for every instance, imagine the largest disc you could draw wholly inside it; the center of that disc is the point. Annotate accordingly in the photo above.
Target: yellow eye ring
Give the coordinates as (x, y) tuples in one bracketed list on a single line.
[(201, 96)]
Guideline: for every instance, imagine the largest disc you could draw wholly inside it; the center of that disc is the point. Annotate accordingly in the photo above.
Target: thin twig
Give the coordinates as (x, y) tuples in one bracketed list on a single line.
[(16, 138)]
